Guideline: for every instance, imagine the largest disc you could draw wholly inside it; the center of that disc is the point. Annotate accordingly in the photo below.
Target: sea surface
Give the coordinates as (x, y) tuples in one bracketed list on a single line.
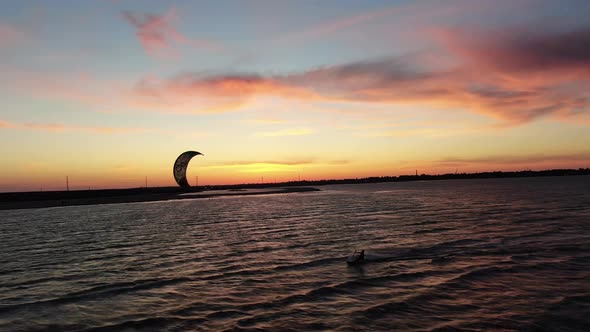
[(454, 255)]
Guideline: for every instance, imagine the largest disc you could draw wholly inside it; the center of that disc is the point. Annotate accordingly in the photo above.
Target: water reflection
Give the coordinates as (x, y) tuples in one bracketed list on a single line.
[(486, 255)]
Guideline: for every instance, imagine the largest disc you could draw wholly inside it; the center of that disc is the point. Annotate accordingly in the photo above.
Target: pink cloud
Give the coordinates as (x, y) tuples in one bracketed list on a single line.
[(256, 162), (517, 51), (482, 89), (514, 77), (59, 127), (265, 121), (81, 89), (536, 159), (333, 26), (287, 132), (191, 93), (537, 72), (159, 37), (9, 35), (399, 17), (416, 12), (501, 94)]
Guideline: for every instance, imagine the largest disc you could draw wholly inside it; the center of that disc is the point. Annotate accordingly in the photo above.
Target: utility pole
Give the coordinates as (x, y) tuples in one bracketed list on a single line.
[(146, 182), (67, 183), (196, 181)]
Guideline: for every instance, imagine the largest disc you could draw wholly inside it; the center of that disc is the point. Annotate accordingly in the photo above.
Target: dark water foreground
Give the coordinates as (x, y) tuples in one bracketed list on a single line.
[(506, 254)]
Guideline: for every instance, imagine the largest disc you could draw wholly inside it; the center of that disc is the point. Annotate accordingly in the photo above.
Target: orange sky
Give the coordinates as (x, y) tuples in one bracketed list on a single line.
[(111, 93)]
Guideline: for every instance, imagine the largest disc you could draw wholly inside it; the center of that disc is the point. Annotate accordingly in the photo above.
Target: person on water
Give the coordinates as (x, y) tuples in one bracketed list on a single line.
[(361, 256)]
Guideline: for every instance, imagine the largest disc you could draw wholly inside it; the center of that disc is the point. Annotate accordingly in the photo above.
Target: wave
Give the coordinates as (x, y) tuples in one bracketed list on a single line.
[(101, 291), (568, 314), (149, 324), (455, 257), (311, 263), (434, 230)]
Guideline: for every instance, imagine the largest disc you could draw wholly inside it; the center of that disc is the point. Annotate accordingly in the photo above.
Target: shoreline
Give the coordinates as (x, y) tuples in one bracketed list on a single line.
[(139, 198), (39, 199)]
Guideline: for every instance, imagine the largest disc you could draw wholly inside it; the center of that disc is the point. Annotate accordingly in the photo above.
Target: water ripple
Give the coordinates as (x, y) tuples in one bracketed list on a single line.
[(506, 254)]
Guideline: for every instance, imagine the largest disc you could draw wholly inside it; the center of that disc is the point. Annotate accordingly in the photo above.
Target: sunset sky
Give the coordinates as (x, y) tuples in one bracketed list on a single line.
[(111, 92)]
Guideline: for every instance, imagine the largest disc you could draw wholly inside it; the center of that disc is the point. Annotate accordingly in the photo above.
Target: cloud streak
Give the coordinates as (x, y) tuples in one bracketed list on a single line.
[(523, 51), (244, 163), (58, 127), (158, 36), (332, 26), (195, 93), (265, 121), (517, 159), (9, 35), (287, 132), (515, 78), (416, 11)]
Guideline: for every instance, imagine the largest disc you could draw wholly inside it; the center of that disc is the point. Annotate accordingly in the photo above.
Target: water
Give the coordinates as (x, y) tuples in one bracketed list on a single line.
[(505, 254)]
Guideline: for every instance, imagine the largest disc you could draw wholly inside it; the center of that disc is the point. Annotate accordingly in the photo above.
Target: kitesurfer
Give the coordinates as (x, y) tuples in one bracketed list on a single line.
[(358, 257)]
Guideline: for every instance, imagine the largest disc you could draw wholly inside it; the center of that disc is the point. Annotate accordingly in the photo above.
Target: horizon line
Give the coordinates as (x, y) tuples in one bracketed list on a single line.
[(374, 179)]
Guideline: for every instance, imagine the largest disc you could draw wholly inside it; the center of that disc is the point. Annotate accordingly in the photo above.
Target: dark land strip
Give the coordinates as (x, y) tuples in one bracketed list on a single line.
[(40, 199)]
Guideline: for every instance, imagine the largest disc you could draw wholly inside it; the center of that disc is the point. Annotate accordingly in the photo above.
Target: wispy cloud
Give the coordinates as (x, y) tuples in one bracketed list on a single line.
[(516, 51), (339, 162), (521, 74), (244, 163), (9, 35), (287, 132), (415, 11), (159, 37), (268, 166), (79, 87), (421, 132), (335, 25), (196, 93), (517, 159), (262, 121), (58, 127), (515, 76), (515, 79)]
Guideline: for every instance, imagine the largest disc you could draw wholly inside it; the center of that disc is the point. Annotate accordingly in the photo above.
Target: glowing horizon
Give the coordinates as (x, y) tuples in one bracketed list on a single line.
[(111, 92)]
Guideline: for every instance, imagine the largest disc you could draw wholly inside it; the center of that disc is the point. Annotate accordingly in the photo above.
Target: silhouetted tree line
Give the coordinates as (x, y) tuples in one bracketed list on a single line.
[(421, 177), (77, 194)]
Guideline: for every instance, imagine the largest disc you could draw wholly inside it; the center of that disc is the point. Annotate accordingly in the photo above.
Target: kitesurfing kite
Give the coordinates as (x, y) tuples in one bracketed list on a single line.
[(180, 166)]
